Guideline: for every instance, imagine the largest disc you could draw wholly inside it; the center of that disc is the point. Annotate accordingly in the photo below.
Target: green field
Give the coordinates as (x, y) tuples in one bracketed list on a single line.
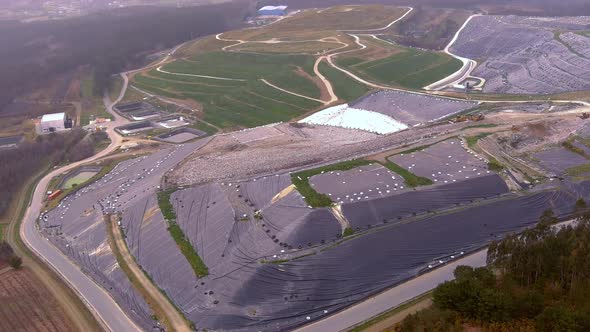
[(2, 230), (345, 87), (246, 103), (78, 179), (411, 68), (92, 105)]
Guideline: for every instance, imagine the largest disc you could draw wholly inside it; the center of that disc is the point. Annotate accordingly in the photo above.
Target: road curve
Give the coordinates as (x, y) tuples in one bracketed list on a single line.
[(465, 70), (101, 304)]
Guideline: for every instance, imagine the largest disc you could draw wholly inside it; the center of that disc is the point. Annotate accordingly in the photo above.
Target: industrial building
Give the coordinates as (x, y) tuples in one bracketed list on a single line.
[(53, 122), (272, 11)]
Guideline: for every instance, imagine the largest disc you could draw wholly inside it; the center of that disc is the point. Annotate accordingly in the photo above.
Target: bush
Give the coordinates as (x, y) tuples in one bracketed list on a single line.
[(5, 251), (411, 179), (312, 197), (165, 205), (348, 231), (15, 262), (185, 246), (494, 165)]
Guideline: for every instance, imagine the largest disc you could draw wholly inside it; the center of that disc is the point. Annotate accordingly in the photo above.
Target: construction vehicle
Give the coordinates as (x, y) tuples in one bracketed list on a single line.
[(54, 194)]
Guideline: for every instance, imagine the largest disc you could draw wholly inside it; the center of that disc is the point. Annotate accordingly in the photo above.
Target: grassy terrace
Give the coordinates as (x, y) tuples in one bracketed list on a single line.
[(316, 200), (411, 179), (177, 234), (245, 101), (472, 140), (409, 68), (345, 87), (578, 170), (202, 126), (312, 197)]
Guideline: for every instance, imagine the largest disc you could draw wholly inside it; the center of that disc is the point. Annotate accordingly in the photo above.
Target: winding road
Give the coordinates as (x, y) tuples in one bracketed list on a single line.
[(110, 314), (465, 70), (97, 299)]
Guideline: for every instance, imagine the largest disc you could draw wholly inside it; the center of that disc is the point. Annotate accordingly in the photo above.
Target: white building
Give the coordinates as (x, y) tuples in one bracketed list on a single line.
[(272, 11), (53, 122)]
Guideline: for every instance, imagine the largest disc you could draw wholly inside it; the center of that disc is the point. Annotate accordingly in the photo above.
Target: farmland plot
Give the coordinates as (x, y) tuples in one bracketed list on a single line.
[(25, 305), (523, 55)]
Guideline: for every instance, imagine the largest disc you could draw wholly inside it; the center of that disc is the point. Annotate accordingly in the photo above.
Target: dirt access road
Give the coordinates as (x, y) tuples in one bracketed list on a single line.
[(173, 318)]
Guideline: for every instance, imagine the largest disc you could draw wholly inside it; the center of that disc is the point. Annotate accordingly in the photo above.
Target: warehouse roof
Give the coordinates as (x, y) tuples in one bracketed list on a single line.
[(53, 117), (273, 8)]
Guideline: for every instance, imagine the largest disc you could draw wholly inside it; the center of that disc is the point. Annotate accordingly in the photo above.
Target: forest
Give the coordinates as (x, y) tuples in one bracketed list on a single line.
[(35, 53), (538, 280), (44, 152)]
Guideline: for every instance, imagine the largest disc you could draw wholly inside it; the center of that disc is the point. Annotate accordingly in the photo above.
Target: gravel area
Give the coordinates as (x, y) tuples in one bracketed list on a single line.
[(224, 158)]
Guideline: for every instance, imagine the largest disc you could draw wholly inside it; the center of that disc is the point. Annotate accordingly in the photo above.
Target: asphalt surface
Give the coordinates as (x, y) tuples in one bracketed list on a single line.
[(101, 304), (108, 313), (392, 298)]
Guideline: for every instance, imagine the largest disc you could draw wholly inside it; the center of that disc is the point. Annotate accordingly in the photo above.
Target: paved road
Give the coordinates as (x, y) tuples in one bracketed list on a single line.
[(465, 70), (105, 309), (394, 297)]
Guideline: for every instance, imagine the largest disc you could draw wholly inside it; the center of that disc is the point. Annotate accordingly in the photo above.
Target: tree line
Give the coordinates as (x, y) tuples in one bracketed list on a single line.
[(538, 280), (7, 255), (34, 53), (30, 157)]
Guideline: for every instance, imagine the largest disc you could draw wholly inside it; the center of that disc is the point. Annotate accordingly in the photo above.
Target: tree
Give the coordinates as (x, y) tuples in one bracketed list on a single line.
[(15, 262)]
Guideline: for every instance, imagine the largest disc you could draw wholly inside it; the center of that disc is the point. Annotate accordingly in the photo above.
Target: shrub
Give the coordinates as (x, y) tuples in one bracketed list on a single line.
[(348, 231), (15, 262), (494, 165)]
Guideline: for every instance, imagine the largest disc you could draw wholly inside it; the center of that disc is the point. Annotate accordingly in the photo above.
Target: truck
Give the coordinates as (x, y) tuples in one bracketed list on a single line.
[(54, 194)]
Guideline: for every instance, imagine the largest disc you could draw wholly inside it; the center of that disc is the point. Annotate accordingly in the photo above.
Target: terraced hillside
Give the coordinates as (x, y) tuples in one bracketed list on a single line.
[(527, 55), (398, 66), (228, 87), (282, 71)]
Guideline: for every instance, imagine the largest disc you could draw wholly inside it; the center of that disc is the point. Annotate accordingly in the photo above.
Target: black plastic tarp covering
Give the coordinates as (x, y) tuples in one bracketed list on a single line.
[(373, 212), (283, 295)]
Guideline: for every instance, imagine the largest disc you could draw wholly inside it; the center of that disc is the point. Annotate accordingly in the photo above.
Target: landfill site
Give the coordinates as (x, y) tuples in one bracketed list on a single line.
[(274, 227), (275, 262)]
